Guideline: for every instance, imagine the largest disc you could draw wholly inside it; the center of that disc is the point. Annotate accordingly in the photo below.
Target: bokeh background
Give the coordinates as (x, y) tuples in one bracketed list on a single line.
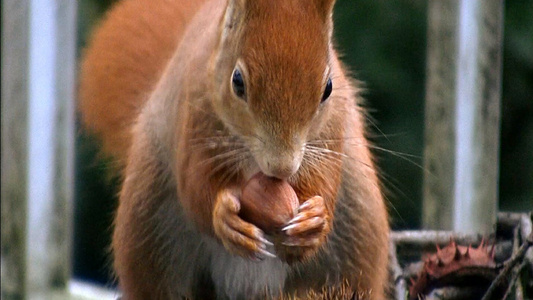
[(383, 43)]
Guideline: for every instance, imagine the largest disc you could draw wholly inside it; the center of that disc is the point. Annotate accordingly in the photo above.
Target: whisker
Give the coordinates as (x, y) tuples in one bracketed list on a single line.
[(229, 169), (219, 136), (219, 156), (229, 161), (404, 156), (374, 124), (337, 156), (310, 160), (213, 144), (314, 155), (326, 151), (317, 159), (245, 157)]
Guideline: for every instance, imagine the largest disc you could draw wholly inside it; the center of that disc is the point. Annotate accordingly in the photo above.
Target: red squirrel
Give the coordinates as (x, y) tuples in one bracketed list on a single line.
[(193, 98)]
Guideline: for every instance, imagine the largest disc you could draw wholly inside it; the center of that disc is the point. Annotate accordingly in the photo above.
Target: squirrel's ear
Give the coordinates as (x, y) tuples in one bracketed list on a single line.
[(326, 5), (235, 12), (326, 9), (237, 3)]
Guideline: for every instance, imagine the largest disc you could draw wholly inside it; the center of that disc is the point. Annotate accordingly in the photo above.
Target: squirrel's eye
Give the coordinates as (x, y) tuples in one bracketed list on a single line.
[(238, 83), (327, 90)]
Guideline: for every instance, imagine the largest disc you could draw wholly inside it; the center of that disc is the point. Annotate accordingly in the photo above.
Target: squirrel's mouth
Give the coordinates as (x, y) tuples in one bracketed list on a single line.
[(274, 159), (250, 170)]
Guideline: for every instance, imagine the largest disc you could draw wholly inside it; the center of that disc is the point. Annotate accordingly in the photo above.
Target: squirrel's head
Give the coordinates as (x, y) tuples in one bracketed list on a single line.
[(273, 77)]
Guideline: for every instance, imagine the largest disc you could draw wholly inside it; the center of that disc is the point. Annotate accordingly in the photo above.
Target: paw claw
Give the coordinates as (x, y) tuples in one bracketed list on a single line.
[(266, 253), (305, 205), (310, 225), (302, 242), (304, 233), (296, 219), (238, 236), (289, 244), (289, 227), (264, 241)]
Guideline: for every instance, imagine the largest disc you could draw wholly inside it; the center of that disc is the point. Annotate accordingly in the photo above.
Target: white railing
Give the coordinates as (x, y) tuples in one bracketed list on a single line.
[(38, 82), (463, 95)]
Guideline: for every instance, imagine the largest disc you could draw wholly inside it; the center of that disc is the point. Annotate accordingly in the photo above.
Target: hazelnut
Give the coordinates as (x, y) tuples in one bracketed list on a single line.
[(268, 202)]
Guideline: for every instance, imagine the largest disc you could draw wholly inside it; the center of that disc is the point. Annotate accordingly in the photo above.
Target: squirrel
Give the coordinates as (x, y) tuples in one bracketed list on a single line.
[(192, 98)]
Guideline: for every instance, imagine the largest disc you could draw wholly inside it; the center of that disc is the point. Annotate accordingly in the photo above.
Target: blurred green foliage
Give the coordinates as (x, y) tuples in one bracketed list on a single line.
[(516, 167), (383, 43)]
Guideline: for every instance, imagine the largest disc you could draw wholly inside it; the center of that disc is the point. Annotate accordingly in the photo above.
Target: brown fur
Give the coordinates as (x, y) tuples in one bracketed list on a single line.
[(156, 86), (126, 59)]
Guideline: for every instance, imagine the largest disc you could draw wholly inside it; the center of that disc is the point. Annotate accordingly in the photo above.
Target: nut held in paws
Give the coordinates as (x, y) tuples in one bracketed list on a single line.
[(268, 202)]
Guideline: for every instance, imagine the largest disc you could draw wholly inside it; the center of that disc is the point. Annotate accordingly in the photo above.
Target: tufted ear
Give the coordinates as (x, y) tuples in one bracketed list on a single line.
[(326, 9), (234, 14), (325, 6), (230, 29)]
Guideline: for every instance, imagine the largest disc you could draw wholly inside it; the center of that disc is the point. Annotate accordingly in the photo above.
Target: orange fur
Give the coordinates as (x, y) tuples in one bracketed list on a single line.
[(126, 58), (156, 86)]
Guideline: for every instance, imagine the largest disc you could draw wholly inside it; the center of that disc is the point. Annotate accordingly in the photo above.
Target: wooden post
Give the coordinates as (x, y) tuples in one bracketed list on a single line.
[(463, 115), (62, 226), (15, 32), (38, 68)]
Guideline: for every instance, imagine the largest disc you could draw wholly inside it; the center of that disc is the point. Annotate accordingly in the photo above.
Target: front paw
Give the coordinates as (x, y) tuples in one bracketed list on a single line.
[(237, 236), (306, 232)]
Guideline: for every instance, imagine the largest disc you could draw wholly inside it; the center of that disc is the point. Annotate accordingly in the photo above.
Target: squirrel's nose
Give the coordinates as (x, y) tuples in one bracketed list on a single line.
[(279, 159), (282, 171), (281, 167)]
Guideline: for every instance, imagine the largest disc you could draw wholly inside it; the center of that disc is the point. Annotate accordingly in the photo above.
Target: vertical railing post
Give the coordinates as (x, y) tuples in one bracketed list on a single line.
[(38, 80), (64, 155), (15, 45), (463, 92)]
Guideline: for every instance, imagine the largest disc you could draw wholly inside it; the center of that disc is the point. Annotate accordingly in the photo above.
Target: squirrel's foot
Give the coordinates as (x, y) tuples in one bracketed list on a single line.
[(238, 236), (306, 232)]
